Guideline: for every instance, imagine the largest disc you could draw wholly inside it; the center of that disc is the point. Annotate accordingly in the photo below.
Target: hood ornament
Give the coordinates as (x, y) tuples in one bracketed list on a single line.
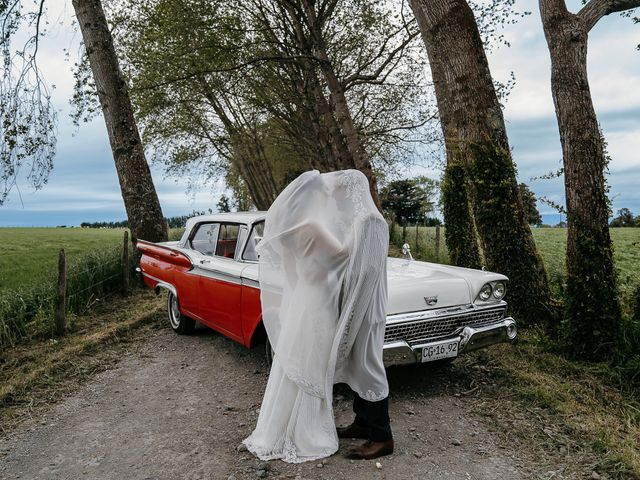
[(406, 251), (431, 301)]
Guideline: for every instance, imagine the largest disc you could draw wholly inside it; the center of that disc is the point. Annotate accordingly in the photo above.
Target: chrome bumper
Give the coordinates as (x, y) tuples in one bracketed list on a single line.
[(470, 338)]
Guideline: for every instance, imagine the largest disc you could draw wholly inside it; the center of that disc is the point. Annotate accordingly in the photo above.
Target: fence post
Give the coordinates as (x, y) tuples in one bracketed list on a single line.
[(437, 243), (61, 310), (416, 236), (125, 263)]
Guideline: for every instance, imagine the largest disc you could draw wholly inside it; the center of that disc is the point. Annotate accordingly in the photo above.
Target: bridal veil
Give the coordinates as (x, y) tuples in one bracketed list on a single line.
[(323, 284)]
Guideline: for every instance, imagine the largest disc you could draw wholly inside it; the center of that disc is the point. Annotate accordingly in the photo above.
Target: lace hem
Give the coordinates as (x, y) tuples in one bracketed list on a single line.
[(372, 396), (288, 453)]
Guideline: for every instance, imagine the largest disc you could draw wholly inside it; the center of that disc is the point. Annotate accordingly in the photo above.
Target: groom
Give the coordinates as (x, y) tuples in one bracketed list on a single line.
[(372, 424)]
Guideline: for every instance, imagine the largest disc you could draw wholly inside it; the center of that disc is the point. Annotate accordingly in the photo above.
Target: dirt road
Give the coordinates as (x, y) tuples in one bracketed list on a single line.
[(178, 408)]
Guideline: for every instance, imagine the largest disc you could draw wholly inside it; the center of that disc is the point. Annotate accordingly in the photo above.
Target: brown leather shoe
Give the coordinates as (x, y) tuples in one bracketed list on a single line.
[(353, 431), (371, 450)]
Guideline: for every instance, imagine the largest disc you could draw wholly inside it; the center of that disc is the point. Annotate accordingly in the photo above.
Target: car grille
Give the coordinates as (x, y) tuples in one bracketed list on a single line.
[(439, 327)]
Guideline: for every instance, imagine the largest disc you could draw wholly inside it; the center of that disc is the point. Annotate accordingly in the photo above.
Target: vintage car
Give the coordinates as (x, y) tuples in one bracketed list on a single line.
[(434, 311)]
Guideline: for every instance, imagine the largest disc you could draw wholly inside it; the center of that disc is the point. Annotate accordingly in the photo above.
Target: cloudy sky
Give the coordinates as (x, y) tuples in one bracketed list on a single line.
[(84, 186)]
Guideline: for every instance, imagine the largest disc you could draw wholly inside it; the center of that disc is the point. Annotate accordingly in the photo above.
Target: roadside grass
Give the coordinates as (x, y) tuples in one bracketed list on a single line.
[(27, 311), (567, 407), (39, 372)]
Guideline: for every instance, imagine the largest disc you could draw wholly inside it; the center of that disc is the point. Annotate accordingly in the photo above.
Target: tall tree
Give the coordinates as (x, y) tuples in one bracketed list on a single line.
[(530, 205), (593, 310), (625, 218), (478, 149), (257, 61), (138, 192)]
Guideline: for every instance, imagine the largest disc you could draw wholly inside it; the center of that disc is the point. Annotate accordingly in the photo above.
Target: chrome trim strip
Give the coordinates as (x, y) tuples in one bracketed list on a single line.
[(215, 274), (442, 312), (162, 284), (247, 282)]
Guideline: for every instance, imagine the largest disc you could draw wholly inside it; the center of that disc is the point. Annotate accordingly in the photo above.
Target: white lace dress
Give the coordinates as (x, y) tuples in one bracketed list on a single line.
[(323, 292)]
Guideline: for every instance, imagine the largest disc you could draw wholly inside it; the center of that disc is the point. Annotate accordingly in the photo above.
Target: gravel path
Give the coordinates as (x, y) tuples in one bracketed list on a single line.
[(178, 408)]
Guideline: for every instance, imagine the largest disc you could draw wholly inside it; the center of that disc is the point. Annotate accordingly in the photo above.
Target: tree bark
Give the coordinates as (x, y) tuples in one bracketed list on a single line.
[(593, 310), (138, 192), (475, 135)]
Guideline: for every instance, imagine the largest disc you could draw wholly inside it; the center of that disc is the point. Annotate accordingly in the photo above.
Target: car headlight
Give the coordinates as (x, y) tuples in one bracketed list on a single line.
[(499, 289), (485, 292)]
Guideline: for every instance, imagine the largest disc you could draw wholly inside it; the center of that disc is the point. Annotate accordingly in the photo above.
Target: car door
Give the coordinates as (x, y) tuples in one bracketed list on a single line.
[(220, 283), (200, 245)]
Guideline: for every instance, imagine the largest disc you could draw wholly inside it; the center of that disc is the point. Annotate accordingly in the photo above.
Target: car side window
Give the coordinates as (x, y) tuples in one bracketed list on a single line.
[(205, 239), (227, 240), (254, 238)]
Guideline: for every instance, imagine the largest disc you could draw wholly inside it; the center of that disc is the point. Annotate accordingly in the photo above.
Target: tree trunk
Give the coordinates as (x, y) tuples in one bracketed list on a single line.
[(138, 192), (247, 156), (475, 136), (339, 101), (460, 232), (593, 311)]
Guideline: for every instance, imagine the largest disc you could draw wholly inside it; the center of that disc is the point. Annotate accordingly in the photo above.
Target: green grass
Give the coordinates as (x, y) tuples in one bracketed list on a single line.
[(29, 254), (551, 244)]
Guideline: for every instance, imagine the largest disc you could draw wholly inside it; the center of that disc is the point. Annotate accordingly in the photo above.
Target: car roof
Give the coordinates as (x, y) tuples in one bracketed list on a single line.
[(233, 217)]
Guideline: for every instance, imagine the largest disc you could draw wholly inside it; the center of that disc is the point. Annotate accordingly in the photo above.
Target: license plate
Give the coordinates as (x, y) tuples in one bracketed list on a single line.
[(440, 350)]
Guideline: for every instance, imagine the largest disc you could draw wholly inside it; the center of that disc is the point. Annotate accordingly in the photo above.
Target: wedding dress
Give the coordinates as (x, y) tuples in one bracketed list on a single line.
[(323, 281)]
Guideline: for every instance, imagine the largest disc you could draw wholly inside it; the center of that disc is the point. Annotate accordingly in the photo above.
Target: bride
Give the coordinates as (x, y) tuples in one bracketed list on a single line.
[(323, 291)]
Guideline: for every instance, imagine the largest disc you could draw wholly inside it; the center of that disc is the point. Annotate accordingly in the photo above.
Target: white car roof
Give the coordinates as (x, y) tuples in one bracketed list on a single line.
[(234, 217)]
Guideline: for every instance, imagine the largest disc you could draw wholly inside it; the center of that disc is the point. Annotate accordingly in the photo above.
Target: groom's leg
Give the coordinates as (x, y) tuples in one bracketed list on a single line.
[(360, 409), (377, 418)]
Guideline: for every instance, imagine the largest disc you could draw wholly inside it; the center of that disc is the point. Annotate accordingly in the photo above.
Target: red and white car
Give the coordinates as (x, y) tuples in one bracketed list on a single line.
[(211, 276)]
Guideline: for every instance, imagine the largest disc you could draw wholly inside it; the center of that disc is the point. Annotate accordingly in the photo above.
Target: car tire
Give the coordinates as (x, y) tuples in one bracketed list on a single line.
[(181, 324)]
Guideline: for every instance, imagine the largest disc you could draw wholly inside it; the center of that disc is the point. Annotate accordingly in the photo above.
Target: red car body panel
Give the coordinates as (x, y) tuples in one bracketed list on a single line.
[(231, 308)]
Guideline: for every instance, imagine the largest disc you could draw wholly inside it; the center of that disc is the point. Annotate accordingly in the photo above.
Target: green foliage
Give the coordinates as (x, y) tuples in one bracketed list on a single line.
[(497, 210), (529, 203), (593, 310), (460, 234), (222, 90), (408, 200), (223, 204), (625, 218)]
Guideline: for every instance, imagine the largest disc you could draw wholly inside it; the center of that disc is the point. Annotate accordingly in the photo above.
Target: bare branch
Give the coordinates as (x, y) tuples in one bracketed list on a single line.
[(593, 11)]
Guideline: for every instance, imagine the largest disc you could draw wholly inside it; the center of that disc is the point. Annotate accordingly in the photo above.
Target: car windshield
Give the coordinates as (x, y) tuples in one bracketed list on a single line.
[(254, 237)]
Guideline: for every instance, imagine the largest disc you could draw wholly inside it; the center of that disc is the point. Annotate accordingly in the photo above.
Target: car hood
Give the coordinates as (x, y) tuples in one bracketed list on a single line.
[(409, 282)]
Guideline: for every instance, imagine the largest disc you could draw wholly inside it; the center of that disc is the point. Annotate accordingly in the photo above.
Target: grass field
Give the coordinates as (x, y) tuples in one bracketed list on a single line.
[(28, 254), (551, 243)]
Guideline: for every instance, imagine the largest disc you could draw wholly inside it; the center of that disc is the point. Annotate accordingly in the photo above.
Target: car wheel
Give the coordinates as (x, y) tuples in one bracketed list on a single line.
[(268, 351), (180, 323)]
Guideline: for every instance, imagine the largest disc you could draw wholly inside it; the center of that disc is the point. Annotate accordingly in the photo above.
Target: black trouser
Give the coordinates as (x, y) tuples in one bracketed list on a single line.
[(374, 416)]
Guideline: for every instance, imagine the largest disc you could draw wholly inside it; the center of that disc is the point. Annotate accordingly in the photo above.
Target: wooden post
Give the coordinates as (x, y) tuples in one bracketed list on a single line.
[(125, 263), (416, 236), (61, 310), (437, 243)]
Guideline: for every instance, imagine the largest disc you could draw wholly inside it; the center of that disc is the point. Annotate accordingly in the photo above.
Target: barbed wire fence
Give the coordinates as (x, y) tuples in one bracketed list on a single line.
[(43, 308)]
